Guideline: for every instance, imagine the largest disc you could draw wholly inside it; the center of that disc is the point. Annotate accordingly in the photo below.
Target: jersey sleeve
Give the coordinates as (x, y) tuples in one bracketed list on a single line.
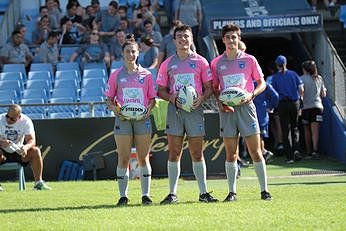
[(111, 88)]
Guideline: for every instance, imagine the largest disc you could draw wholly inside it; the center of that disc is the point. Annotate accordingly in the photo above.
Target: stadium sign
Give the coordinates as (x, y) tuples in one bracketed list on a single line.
[(272, 23)]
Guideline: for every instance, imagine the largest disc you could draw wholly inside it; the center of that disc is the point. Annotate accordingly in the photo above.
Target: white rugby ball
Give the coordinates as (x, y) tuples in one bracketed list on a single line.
[(186, 96), (232, 96), (133, 111)]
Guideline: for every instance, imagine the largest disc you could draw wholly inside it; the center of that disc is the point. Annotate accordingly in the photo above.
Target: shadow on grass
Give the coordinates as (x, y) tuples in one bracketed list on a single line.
[(5, 211)]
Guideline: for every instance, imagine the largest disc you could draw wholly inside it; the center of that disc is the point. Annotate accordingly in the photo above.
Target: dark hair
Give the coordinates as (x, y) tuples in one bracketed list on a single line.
[(42, 7), (147, 40), (124, 7), (53, 34), (70, 5), (182, 27), (176, 23), (129, 42), (15, 32), (310, 67), (130, 37), (114, 4), (147, 22), (63, 20), (230, 27)]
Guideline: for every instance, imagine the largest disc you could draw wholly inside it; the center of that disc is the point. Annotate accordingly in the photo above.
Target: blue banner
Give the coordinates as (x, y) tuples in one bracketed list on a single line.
[(274, 23)]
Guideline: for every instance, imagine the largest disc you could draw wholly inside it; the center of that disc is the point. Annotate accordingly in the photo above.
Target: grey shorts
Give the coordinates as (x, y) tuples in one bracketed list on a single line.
[(132, 127), (243, 120), (180, 122)]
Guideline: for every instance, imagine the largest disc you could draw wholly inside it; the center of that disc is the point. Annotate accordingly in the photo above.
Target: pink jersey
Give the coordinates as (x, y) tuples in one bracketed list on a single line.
[(131, 88), (240, 72), (176, 73)]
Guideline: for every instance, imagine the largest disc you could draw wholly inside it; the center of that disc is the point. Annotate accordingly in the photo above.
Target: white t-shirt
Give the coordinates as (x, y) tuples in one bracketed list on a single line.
[(16, 132)]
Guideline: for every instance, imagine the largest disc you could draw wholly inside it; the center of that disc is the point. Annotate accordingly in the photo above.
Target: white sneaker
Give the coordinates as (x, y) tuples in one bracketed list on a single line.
[(1, 188), (290, 162)]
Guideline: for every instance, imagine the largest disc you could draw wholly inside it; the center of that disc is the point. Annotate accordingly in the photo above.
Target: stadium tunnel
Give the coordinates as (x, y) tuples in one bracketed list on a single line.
[(269, 28)]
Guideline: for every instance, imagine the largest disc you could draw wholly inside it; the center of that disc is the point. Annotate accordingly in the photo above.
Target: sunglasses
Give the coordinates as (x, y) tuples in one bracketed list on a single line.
[(11, 118), (95, 33)]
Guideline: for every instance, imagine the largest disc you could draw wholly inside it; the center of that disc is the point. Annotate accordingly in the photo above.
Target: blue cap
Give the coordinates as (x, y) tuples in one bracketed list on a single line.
[(281, 60)]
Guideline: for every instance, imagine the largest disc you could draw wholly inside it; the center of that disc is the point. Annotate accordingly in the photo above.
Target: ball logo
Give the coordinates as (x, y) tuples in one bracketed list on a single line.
[(133, 111)]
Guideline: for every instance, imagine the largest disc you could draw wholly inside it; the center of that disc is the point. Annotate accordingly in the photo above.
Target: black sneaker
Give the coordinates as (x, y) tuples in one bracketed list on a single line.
[(297, 155), (122, 202), (206, 197), (230, 197), (315, 155), (146, 200), (266, 196), (170, 199)]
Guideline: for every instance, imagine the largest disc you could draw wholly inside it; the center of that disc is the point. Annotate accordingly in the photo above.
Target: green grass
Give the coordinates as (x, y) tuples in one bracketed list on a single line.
[(300, 203)]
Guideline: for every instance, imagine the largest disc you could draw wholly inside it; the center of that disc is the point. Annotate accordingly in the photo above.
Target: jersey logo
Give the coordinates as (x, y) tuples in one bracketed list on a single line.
[(241, 64), (193, 65)]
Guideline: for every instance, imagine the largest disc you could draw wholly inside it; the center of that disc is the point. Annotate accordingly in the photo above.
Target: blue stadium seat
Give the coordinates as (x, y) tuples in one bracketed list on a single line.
[(42, 67), (61, 115), (64, 92), (67, 51), (87, 114), (39, 83), (89, 99), (66, 83), (116, 65), (13, 67), (41, 75), (67, 74), (11, 85), (6, 101), (33, 109), (35, 93), (69, 66), (88, 66), (93, 82), (62, 107), (13, 76), (35, 116), (92, 91), (95, 73), (8, 94)]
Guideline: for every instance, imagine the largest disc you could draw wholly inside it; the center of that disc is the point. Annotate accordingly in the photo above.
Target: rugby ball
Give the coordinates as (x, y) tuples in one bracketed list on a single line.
[(186, 96), (133, 111), (232, 96)]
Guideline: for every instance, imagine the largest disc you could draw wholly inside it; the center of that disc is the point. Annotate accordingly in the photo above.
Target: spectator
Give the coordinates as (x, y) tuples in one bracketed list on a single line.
[(126, 26), (49, 51), (265, 102), (149, 32), (110, 22), (290, 88), (43, 12), (40, 34), (15, 51), (54, 14), (17, 130), (122, 11), (190, 12), (93, 52), (116, 47), (77, 27), (314, 90), (149, 53), (68, 36), (329, 4), (80, 10), (97, 8)]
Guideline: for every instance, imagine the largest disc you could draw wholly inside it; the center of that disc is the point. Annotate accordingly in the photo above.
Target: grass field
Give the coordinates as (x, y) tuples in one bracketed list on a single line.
[(300, 203)]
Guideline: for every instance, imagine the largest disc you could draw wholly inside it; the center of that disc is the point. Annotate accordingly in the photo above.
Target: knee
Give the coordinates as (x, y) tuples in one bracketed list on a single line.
[(35, 151)]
